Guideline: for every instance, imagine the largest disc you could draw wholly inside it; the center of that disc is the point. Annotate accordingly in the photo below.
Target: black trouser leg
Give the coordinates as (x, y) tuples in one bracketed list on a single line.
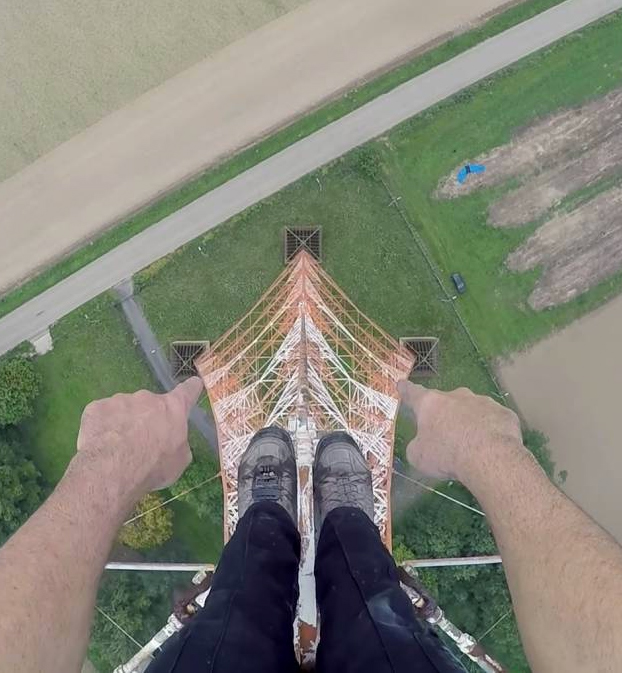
[(367, 621), (246, 625)]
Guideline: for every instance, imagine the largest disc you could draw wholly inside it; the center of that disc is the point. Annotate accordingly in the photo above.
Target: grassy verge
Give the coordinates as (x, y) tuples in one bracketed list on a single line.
[(266, 148), (93, 357), (495, 307)]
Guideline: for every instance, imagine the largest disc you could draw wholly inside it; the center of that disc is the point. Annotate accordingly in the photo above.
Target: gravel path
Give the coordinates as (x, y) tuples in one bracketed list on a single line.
[(157, 361)]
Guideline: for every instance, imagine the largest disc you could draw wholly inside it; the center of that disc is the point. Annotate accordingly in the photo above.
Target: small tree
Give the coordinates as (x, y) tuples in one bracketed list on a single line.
[(21, 488), (401, 552), (19, 385), (537, 443), (139, 603), (206, 500), (153, 529)]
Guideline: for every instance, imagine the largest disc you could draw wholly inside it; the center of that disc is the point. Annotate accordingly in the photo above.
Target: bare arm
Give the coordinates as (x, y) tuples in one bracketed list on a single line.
[(49, 570), (563, 570)]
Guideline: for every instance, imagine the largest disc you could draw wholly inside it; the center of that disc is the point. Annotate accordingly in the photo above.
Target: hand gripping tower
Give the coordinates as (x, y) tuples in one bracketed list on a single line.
[(306, 359)]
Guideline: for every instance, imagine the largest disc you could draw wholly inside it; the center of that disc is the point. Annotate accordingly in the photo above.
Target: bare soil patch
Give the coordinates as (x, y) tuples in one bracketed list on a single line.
[(65, 64), (550, 187), (577, 250), (562, 137), (555, 158), (568, 386)]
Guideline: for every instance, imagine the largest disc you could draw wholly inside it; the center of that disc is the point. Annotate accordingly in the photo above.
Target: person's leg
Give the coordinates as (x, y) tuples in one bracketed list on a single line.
[(367, 622), (247, 622)]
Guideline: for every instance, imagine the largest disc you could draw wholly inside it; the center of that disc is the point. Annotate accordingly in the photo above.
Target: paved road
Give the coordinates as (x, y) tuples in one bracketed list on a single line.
[(296, 161), (193, 120), (157, 362)]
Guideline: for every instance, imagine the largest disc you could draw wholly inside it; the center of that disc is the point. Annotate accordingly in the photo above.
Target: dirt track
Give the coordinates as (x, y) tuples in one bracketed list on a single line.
[(219, 105), (568, 386), (546, 148), (577, 250), (65, 64)]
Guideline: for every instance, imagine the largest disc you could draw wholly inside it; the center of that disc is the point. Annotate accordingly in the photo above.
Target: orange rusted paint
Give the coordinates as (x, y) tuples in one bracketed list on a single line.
[(305, 358)]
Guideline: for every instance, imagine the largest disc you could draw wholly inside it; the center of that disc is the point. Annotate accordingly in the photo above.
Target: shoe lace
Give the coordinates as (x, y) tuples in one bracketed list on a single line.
[(344, 489)]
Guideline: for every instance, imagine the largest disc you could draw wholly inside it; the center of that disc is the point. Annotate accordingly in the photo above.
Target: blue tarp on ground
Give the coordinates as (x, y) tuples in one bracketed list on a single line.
[(466, 170)]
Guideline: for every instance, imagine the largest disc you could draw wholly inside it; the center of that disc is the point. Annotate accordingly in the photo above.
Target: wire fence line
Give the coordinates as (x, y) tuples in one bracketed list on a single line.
[(483, 360), (395, 202), (172, 499), (442, 495), (115, 623)]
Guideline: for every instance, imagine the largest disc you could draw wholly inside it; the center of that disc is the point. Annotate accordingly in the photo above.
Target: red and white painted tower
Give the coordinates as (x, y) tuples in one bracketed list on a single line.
[(306, 359)]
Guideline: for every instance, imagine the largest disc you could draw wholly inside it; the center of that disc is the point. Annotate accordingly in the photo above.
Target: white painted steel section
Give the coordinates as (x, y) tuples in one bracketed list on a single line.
[(414, 563)]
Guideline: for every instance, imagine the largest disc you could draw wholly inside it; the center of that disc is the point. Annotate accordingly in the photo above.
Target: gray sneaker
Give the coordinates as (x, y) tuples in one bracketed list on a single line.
[(267, 472), (341, 477)]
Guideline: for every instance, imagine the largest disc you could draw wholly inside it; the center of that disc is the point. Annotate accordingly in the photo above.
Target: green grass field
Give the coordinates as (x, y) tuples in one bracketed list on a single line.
[(248, 158), (94, 356), (421, 151), (200, 290), (203, 288)]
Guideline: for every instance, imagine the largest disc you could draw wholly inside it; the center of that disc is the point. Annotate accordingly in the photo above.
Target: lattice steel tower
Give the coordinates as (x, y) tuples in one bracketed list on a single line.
[(306, 359)]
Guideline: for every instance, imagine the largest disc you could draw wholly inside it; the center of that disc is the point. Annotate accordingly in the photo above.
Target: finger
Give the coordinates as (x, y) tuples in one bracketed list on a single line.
[(412, 394), (185, 460), (188, 392), (414, 452)]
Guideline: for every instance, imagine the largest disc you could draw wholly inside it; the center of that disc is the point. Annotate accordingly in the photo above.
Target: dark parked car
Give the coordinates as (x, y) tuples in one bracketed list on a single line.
[(458, 281)]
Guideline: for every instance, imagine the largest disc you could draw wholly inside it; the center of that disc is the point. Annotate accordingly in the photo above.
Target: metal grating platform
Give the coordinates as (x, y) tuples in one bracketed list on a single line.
[(426, 351), (302, 238), (182, 357)]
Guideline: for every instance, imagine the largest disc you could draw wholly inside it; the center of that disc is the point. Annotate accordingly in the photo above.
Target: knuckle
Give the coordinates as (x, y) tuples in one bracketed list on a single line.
[(93, 408), (434, 397), (143, 396), (174, 407), (512, 417)]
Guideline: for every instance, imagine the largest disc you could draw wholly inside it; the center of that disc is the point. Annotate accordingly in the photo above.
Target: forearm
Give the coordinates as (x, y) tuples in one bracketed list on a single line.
[(49, 571), (563, 570)]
